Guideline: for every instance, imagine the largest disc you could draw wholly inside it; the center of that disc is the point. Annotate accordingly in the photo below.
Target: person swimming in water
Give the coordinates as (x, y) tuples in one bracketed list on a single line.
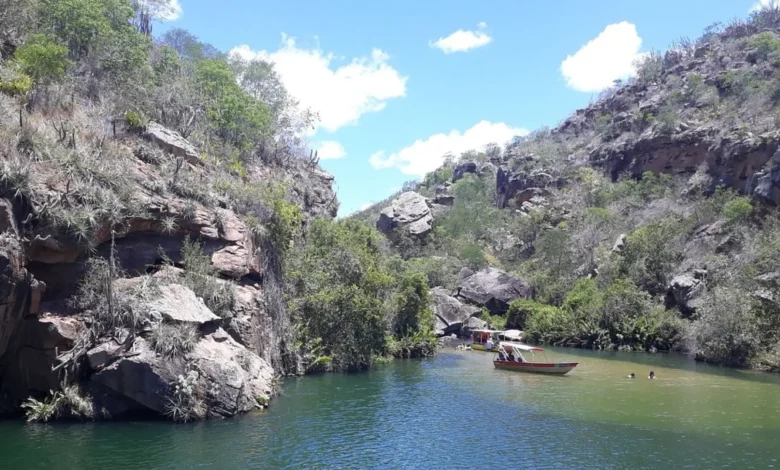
[(651, 376), (631, 375)]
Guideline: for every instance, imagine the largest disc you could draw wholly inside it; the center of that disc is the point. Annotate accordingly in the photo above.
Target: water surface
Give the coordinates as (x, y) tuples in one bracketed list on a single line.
[(454, 411)]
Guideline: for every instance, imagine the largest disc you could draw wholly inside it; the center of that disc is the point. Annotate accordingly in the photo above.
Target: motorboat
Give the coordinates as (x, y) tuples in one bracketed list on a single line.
[(484, 338), (513, 357)]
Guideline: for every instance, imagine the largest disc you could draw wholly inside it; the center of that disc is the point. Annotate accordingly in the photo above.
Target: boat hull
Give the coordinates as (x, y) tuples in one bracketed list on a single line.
[(480, 347), (554, 368)]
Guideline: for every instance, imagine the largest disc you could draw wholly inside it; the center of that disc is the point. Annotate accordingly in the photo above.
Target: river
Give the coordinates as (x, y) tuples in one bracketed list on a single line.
[(454, 411)]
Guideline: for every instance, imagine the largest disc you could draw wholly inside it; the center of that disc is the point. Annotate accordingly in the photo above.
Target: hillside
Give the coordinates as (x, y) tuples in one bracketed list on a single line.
[(646, 221), (168, 245)]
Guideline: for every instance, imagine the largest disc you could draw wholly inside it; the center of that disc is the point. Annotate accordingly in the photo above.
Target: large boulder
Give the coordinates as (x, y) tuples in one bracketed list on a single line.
[(451, 314), (177, 303), (493, 289), (685, 291), (172, 142), (409, 212), (236, 379), (519, 187), (142, 377), (229, 378)]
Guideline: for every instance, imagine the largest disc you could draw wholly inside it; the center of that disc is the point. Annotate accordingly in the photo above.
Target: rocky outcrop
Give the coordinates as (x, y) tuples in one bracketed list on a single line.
[(408, 213), (451, 314), (620, 243), (685, 291), (235, 380), (462, 169), (229, 378), (177, 303), (515, 188), (172, 142), (493, 289)]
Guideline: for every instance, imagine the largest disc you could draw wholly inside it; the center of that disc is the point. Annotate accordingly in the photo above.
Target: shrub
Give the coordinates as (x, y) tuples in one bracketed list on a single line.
[(184, 403), (70, 403), (173, 340), (342, 290), (651, 253), (738, 210), (473, 256), (521, 310), (765, 45), (42, 59), (199, 275), (726, 330), (650, 68), (109, 307), (414, 312), (135, 120), (549, 325)]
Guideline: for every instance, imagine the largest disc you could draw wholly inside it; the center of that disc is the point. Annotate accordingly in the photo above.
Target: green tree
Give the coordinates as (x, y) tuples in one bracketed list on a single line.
[(414, 312), (341, 292), (235, 116), (42, 59)]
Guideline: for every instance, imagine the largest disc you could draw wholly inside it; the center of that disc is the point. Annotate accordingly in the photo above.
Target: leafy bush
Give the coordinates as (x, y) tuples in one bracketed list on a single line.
[(651, 253), (521, 310), (43, 60), (235, 116), (414, 312), (726, 330), (765, 45), (341, 292), (738, 210)]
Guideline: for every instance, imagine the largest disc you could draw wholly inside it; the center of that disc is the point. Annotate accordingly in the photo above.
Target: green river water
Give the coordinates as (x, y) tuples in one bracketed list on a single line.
[(454, 411)]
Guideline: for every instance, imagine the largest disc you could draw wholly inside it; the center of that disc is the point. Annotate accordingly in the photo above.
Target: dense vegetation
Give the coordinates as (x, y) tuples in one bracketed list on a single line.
[(603, 246), (81, 81)]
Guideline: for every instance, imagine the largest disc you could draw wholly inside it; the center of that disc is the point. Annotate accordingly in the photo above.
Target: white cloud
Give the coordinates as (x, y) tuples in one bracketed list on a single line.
[(765, 3), (611, 55), (426, 155), (331, 150), (462, 40), (340, 94)]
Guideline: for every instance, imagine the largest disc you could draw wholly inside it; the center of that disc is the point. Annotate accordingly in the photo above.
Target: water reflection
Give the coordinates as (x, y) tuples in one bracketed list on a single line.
[(456, 411)]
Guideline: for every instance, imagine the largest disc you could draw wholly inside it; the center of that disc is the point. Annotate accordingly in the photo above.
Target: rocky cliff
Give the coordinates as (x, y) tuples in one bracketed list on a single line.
[(56, 220), (646, 220)]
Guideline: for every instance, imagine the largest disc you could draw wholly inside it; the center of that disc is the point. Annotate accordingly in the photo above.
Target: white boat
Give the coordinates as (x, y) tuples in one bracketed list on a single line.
[(513, 359)]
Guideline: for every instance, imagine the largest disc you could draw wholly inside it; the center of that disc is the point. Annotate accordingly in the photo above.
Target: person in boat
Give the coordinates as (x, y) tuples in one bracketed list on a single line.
[(631, 375), (651, 376), (501, 356), (489, 343), (511, 357)]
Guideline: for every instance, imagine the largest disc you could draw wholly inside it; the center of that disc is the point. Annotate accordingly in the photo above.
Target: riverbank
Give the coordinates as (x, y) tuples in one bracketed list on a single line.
[(434, 413)]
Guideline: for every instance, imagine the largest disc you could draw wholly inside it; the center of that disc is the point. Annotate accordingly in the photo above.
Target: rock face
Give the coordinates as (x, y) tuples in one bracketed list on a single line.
[(172, 142), (451, 314), (519, 187), (409, 212), (685, 291), (620, 243), (177, 303), (462, 169), (230, 379), (493, 289)]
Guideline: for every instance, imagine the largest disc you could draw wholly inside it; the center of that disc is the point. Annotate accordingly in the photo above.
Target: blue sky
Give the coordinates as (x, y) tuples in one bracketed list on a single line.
[(395, 91)]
